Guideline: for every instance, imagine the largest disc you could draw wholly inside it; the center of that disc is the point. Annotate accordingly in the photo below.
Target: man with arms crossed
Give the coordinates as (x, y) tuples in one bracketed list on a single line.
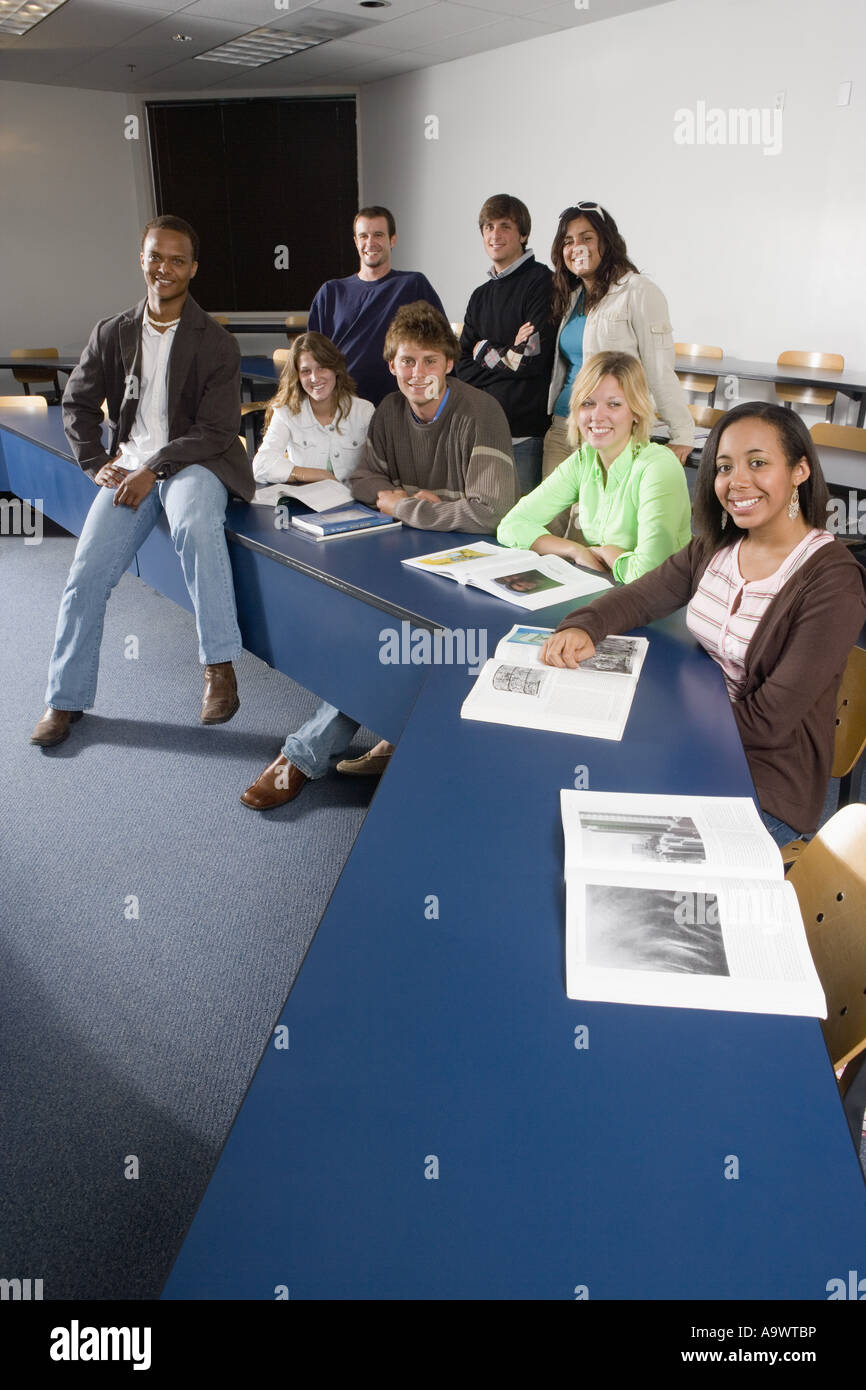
[(355, 312), (508, 337), (171, 379), (438, 457)]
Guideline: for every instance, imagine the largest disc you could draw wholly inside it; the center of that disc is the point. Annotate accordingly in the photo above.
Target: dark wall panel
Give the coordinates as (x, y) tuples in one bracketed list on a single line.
[(255, 175)]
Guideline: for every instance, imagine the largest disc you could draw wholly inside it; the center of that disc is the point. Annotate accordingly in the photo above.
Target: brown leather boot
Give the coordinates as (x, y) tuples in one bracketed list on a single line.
[(280, 782), (53, 727), (220, 701)]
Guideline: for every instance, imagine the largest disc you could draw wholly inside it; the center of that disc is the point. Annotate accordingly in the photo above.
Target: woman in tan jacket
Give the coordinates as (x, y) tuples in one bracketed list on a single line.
[(604, 304)]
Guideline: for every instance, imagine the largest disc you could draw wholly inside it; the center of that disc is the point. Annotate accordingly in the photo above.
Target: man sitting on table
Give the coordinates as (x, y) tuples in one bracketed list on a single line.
[(171, 379), (438, 457), (355, 312)]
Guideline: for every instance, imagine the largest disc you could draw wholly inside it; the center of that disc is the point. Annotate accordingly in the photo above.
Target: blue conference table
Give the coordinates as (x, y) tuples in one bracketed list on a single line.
[(422, 1124)]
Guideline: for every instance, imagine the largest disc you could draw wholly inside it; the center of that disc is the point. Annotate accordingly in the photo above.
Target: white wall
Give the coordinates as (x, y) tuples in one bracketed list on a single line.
[(755, 253), (69, 216), (75, 195)]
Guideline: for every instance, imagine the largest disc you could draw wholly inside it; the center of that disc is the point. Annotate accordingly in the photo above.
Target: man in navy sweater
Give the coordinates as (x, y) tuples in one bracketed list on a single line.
[(508, 337), (355, 312)]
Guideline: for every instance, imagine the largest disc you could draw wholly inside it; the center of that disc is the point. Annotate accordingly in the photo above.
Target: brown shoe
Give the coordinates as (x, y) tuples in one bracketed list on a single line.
[(220, 701), (279, 783), (53, 727), (368, 765)]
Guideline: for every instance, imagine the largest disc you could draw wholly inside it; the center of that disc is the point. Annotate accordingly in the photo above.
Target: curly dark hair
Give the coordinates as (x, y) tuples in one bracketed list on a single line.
[(614, 258)]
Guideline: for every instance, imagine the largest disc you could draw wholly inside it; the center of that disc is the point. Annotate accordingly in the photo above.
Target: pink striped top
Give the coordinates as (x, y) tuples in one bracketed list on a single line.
[(726, 609)]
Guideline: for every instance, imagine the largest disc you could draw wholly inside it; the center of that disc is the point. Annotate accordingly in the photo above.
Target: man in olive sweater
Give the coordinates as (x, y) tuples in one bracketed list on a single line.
[(438, 452), (438, 457)]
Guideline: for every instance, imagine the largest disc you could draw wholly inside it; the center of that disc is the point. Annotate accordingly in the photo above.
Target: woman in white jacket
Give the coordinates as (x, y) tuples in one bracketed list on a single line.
[(604, 304), (315, 426)]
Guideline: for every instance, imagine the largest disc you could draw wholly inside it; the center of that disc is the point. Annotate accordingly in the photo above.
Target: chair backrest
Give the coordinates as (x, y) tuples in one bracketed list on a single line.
[(706, 415), (297, 320), (830, 881), (697, 350), (825, 361), (838, 436), (280, 357), (33, 375), (850, 739), (221, 319), (457, 327)]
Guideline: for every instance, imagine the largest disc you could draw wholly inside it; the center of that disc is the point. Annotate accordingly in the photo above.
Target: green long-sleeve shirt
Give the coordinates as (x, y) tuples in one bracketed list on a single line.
[(642, 506)]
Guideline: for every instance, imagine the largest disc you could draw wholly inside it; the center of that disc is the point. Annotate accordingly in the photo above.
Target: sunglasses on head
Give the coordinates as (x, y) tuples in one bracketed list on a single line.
[(584, 207)]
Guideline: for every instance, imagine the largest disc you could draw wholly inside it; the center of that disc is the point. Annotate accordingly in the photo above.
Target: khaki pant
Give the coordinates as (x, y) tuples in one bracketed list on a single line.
[(556, 449)]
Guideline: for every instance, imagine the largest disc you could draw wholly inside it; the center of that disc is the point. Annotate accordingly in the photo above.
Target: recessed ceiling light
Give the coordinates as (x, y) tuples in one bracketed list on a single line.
[(259, 47), (19, 16)]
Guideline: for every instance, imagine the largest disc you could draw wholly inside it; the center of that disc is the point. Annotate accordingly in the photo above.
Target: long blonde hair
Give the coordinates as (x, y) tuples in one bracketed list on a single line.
[(631, 376), (291, 393)]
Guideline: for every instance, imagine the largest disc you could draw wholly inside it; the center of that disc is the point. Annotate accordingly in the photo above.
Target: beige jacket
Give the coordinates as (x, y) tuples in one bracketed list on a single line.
[(633, 317)]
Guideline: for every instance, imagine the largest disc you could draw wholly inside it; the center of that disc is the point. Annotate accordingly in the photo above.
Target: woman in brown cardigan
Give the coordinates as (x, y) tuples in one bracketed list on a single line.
[(771, 595)]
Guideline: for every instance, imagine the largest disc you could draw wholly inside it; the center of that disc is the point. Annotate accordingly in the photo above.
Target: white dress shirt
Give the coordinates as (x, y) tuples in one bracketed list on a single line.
[(300, 441), (150, 430)]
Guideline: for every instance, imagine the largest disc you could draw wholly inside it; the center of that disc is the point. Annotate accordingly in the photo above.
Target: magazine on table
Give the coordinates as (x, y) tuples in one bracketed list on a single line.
[(320, 496), (518, 576), (516, 687), (681, 901)]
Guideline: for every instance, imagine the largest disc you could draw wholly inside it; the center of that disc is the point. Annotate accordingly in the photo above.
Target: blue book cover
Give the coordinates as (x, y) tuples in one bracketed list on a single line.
[(339, 520)]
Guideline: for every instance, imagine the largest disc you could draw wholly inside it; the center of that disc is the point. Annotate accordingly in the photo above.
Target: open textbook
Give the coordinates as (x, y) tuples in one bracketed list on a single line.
[(515, 687), (681, 901), (518, 576), (320, 496)]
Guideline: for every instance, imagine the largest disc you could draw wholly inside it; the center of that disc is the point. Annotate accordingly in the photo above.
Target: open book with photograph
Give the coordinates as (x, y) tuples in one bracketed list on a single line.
[(319, 497), (515, 687), (518, 576), (681, 901)]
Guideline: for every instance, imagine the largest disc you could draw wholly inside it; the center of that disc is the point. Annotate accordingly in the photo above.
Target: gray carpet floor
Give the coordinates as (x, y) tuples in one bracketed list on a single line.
[(150, 930)]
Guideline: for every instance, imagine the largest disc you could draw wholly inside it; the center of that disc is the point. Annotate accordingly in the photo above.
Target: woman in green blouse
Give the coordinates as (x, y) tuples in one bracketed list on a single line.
[(633, 508)]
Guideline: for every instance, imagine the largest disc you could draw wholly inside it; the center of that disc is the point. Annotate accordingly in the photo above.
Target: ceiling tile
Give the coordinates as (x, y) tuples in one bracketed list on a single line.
[(484, 40), (254, 13), (395, 10), (89, 25), (427, 26), (151, 50), (525, 9)]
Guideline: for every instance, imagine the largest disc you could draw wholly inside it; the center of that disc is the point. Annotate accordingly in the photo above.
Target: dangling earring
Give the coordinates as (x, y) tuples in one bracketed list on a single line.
[(794, 505), (724, 518)]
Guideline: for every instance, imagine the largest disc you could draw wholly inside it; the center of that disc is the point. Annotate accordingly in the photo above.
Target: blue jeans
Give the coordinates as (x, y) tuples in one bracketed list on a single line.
[(325, 733), (782, 834), (527, 461), (195, 505)]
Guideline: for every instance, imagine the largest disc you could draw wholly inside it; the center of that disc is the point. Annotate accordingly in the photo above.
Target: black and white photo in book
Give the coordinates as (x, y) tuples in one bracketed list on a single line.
[(681, 902)]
